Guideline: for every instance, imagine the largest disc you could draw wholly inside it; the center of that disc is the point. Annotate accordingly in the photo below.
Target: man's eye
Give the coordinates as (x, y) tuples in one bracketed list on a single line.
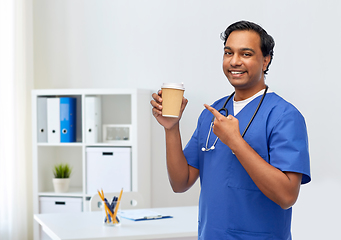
[(228, 53), (247, 54)]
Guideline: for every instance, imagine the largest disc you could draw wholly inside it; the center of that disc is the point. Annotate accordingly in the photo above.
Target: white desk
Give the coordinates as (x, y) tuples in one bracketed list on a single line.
[(89, 225)]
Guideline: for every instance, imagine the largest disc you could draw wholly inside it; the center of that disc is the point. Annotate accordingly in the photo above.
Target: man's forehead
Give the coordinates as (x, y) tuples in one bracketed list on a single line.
[(243, 39)]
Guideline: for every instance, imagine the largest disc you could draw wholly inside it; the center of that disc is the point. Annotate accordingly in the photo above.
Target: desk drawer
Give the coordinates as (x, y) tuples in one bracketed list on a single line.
[(60, 204)]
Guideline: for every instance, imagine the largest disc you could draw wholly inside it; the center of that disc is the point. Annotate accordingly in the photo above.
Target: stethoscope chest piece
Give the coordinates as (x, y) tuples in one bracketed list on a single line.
[(207, 149)]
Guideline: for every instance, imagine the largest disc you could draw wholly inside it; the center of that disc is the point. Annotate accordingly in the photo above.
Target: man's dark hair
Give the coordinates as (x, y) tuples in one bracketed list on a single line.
[(267, 43)]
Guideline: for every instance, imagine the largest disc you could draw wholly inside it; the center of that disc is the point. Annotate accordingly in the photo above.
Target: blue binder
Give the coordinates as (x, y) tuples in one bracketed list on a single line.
[(67, 119)]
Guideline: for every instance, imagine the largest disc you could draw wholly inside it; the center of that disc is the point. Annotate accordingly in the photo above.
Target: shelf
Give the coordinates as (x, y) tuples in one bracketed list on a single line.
[(118, 144), (73, 144), (100, 144), (73, 192)]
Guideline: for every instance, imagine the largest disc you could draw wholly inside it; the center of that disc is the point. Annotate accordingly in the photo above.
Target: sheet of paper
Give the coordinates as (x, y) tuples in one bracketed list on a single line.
[(140, 214)]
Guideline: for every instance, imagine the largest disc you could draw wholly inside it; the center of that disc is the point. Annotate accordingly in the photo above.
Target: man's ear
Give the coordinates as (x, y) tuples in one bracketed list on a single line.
[(266, 62)]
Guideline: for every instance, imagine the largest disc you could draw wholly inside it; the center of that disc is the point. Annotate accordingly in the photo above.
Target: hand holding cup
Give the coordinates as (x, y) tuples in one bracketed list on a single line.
[(168, 104)]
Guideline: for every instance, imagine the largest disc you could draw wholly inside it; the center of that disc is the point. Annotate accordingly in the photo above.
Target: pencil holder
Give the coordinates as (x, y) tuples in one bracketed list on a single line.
[(108, 215)]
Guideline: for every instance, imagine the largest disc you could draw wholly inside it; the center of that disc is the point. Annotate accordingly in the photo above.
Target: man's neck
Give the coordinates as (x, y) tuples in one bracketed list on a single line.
[(242, 94)]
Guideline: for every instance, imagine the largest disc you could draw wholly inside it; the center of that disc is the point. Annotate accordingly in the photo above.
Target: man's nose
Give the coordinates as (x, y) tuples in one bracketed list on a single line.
[(235, 60)]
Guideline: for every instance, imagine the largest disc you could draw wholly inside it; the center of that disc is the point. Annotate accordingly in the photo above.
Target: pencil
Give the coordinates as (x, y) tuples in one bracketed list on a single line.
[(102, 197), (105, 206), (117, 205), (107, 210)]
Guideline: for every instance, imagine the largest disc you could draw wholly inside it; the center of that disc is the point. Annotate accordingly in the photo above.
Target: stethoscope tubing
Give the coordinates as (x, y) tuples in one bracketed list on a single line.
[(254, 114)]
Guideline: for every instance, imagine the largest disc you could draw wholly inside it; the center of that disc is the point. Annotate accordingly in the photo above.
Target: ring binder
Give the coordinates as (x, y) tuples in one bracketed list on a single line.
[(68, 119), (53, 120)]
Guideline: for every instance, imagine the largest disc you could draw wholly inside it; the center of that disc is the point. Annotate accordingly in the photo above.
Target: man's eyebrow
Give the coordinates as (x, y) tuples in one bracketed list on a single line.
[(242, 49), (248, 49)]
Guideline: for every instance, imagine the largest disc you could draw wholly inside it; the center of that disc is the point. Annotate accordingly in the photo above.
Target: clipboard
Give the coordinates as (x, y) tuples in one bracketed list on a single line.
[(141, 214)]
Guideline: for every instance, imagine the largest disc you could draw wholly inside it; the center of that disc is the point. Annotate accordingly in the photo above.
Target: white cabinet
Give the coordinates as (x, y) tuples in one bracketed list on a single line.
[(108, 168), (95, 108)]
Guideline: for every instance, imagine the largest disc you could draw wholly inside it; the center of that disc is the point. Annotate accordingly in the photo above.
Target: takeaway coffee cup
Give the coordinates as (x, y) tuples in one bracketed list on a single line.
[(172, 94)]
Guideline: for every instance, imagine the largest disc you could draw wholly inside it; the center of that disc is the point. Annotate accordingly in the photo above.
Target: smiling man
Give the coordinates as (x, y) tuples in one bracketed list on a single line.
[(250, 149), (244, 63)]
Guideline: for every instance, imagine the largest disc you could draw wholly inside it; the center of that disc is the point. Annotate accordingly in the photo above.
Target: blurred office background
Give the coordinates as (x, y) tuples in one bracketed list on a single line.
[(143, 43)]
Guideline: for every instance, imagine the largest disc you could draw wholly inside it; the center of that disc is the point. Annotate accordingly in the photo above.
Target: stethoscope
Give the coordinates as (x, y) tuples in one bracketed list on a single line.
[(224, 109)]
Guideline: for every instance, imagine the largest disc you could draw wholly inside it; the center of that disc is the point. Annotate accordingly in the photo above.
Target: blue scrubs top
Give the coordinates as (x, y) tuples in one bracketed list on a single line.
[(231, 206)]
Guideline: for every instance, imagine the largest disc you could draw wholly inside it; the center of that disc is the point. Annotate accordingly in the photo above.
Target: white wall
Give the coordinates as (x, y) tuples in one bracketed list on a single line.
[(143, 43)]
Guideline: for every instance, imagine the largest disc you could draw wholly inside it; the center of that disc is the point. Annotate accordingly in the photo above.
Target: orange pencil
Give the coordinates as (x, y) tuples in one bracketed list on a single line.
[(117, 205), (105, 206), (102, 197)]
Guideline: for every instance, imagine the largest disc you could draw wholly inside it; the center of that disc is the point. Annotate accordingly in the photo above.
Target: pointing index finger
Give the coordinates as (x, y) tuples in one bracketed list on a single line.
[(212, 110)]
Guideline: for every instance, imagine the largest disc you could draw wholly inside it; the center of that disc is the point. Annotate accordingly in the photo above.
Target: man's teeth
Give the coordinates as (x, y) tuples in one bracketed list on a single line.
[(236, 72)]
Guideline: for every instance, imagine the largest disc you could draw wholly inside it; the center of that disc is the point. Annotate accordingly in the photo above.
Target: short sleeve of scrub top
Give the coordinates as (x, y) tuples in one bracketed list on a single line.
[(288, 144)]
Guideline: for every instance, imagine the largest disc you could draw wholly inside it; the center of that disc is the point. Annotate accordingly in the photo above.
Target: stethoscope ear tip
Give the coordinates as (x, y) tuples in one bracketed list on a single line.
[(203, 149)]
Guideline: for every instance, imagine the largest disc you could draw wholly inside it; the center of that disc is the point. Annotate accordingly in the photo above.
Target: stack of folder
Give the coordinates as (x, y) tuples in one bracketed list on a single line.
[(56, 119)]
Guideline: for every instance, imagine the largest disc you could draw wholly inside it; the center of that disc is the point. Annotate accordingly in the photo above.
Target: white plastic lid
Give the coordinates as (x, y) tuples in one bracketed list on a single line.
[(174, 85)]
